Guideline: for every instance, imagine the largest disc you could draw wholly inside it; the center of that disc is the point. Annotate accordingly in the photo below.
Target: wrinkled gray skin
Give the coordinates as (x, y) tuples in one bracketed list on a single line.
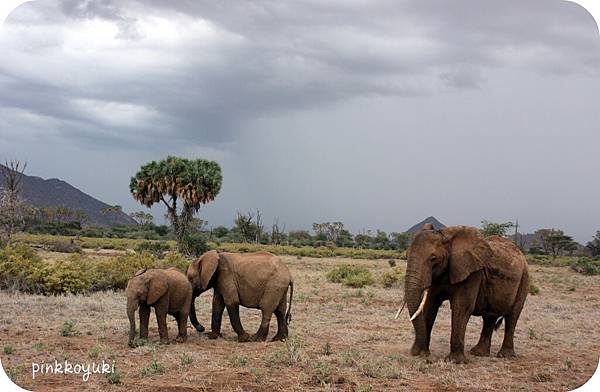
[(485, 277), (168, 291), (253, 280)]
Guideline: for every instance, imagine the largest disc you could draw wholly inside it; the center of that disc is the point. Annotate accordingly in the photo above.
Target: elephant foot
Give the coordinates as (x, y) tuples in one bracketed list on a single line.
[(244, 337), (279, 337), (164, 341), (506, 353), (480, 351), (214, 335), (258, 338), (200, 328), (180, 339), (456, 358), (419, 351)]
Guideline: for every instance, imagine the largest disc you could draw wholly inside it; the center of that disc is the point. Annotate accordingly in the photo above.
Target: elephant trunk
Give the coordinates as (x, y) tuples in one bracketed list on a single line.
[(132, 305), (193, 317), (413, 290)]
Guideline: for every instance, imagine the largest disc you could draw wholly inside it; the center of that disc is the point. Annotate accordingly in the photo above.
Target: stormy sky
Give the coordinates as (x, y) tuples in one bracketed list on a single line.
[(375, 113)]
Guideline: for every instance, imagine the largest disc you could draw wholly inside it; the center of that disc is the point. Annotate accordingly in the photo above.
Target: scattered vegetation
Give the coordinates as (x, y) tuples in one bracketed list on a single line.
[(68, 328), (64, 246), (587, 266), (156, 248), (392, 278), (94, 352), (113, 377), (352, 276), (22, 270), (533, 289), (258, 376), (186, 359), (154, 367), (236, 360), (8, 349), (287, 355)]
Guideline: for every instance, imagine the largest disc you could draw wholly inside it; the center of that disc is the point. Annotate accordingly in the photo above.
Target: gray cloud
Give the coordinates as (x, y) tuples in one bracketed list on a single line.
[(239, 81), (266, 58)]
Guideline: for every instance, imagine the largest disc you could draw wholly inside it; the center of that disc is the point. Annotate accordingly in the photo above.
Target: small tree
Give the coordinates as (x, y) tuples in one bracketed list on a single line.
[(12, 208), (277, 232), (594, 245), (491, 228), (400, 241), (245, 226), (555, 242), (142, 218), (182, 185)]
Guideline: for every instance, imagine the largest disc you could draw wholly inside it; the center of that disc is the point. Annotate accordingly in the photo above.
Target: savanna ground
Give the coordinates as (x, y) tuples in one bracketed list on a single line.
[(341, 339)]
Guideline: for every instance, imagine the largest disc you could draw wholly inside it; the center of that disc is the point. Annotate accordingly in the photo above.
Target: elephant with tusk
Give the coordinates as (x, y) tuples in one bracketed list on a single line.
[(480, 276)]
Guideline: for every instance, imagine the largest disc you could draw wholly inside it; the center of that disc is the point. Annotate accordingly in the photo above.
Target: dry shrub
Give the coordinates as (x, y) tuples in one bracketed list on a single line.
[(21, 269)]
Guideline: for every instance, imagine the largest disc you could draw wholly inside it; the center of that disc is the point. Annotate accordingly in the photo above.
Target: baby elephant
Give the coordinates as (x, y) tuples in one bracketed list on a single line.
[(254, 280), (168, 291)]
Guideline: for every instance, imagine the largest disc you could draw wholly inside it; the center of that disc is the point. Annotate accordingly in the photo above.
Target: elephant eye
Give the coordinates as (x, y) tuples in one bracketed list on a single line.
[(433, 258)]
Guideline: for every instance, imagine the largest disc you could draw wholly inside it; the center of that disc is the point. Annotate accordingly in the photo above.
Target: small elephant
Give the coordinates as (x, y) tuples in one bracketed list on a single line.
[(168, 291), (253, 280), (480, 276)]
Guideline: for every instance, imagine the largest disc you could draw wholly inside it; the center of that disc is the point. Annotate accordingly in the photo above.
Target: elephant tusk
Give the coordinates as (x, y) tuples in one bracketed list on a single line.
[(400, 310), (421, 306)]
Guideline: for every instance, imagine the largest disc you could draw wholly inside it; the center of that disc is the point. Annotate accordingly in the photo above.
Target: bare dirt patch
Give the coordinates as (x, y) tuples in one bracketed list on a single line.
[(342, 339)]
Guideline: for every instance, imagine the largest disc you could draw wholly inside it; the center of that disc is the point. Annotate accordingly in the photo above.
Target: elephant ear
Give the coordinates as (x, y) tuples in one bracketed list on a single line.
[(157, 287), (208, 266), (469, 252)]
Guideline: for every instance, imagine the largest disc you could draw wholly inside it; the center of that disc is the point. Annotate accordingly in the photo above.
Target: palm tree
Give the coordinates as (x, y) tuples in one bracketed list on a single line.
[(174, 180)]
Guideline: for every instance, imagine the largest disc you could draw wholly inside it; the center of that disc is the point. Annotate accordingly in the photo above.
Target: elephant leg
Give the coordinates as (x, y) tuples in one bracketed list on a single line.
[(282, 327), (181, 317), (510, 321), (234, 317), (482, 349), (462, 303), (263, 330), (144, 320), (161, 319), (430, 315), (218, 306)]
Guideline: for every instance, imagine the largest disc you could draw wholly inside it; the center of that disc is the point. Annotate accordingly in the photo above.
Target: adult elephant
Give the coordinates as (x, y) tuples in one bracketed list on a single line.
[(485, 277), (253, 280)]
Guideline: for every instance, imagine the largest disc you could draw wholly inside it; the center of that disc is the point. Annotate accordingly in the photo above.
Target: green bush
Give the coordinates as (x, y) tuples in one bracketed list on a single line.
[(22, 270), (533, 289), (66, 277), (352, 276), (392, 278), (156, 248), (68, 329), (114, 272), (362, 279), (587, 266), (194, 244)]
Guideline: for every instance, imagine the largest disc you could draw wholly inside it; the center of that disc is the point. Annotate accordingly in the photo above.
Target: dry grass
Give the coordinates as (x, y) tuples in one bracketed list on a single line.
[(342, 339)]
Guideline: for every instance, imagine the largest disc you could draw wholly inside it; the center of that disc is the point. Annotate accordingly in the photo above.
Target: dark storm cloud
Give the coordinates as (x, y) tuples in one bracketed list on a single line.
[(264, 58), (376, 113)]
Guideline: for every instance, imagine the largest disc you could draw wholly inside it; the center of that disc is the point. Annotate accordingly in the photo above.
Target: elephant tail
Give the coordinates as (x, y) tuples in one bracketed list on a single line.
[(498, 323), (288, 315)]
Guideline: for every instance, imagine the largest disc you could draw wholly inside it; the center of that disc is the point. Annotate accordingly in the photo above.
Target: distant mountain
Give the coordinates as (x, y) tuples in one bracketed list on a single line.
[(436, 225), (53, 192)]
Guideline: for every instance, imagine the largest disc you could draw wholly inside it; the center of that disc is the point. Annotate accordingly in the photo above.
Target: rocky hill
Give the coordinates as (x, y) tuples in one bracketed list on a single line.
[(53, 192), (436, 225)]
